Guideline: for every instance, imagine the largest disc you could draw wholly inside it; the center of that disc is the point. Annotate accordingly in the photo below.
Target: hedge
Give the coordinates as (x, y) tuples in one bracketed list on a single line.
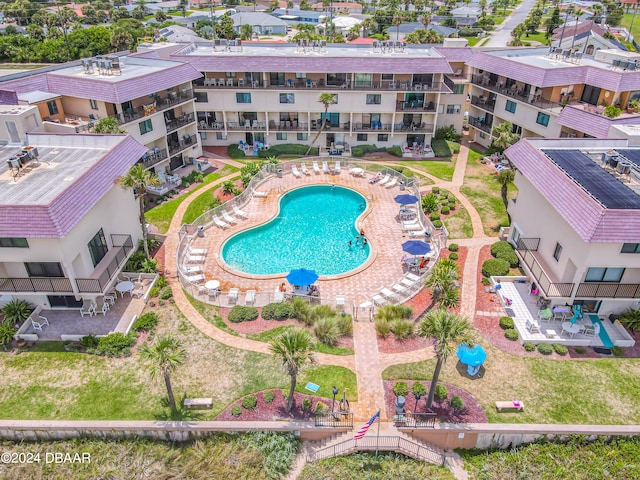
[(276, 311), (440, 148), (395, 150), (511, 334), (495, 267), (234, 152), (499, 247), (240, 313), (507, 322), (545, 349), (287, 149), (360, 150)]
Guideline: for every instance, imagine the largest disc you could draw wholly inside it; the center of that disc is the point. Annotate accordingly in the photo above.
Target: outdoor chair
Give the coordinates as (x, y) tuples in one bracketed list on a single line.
[(232, 297), (250, 298), (304, 169), (87, 309), (110, 298), (379, 299), (195, 258), (295, 171), (228, 218), (316, 168), (545, 315), (591, 330), (340, 302), (392, 183), (104, 309), (385, 179), (219, 223), (278, 296), (532, 327), (194, 278), (238, 212), (40, 323), (138, 292), (196, 251)]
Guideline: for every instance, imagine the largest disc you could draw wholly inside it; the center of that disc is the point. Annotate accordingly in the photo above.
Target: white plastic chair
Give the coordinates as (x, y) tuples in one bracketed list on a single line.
[(384, 180), (218, 222), (232, 297), (40, 323), (337, 168), (340, 302), (250, 299), (295, 171), (238, 212), (304, 169), (87, 309), (104, 309), (392, 183), (316, 168), (138, 292), (228, 218)]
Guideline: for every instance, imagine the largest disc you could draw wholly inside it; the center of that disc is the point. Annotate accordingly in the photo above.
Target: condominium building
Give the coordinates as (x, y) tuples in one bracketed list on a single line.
[(551, 94), (151, 99), (390, 94), (576, 221), (66, 228)]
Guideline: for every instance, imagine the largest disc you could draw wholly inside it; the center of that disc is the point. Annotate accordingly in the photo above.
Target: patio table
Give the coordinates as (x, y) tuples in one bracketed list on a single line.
[(571, 328), (123, 287)]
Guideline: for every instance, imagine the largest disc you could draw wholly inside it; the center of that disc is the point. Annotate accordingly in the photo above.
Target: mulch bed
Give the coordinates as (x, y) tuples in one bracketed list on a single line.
[(392, 345), (472, 412), (276, 410)]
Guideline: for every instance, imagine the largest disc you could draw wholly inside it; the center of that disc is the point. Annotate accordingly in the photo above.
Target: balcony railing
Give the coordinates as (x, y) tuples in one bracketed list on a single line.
[(153, 157), (334, 420), (480, 123), (181, 121), (316, 84), (415, 420), (608, 290), (414, 106), (122, 245), (36, 284), (483, 103), (498, 87), (186, 142), (161, 104), (549, 288)]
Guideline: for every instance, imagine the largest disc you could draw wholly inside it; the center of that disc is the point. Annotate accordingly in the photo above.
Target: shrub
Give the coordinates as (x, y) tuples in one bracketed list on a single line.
[(89, 342), (286, 149), (153, 292), (320, 407), (434, 216), (511, 334), (234, 152), (437, 224), (249, 402), (116, 344), (580, 350), (447, 133), (495, 267), (382, 327), (402, 329), (7, 332), (419, 388), (440, 148), (16, 311), (361, 150), (302, 311), (453, 256), (630, 318), (395, 150), (560, 349), (529, 347), (326, 330), (345, 325), (611, 111), (507, 322), (435, 190), (617, 351), (269, 396), (545, 349), (306, 404), (453, 247), (441, 393), (486, 282), (166, 293), (510, 257), (401, 389), (445, 210), (452, 205), (276, 311), (161, 282), (236, 411), (241, 313), (148, 321), (499, 247), (228, 186), (457, 403)]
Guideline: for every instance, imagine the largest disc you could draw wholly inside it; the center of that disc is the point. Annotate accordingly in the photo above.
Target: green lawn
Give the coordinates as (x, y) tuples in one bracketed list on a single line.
[(473, 41), (161, 215), (536, 37), (269, 335), (459, 224), (200, 205), (483, 191), (626, 22), (442, 169)]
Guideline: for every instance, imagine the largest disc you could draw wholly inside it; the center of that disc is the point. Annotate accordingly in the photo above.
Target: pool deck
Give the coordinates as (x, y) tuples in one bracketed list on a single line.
[(383, 231)]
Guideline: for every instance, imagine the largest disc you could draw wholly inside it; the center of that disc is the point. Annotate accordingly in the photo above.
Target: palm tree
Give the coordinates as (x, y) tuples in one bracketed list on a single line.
[(326, 99), (397, 21), (293, 348), (446, 328), (165, 355), (140, 179), (504, 136), (107, 125), (505, 178), (441, 281), (426, 19)]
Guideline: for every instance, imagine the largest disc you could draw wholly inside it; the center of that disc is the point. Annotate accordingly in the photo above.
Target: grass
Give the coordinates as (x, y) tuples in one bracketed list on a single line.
[(473, 41), (366, 465), (269, 335), (626, 22), (442, 169), (603, 391), (600, 459), (211, 314), (459, 224), (161, 215), (483, 191), (200, 205), (536, 37)]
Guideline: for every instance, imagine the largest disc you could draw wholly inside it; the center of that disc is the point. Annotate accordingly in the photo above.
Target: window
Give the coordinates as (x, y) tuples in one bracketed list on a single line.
[(203, 135), (281, 136), (362, 137), (301, 75), (557, 251), (258, 137), (383, 137), (510, 106), (98, 247), (602, 274), (483, 135), (243, 97), (374, 99), (53, 107), (287, 98), (302, 136), (335, 98), (363, 79), (145, 127), (626, 247), (453, 109), (202, 97), (14, 242), (387, 77), (221, 136), (440, 108), (44, 269), (93, 104), (543, 119), (230, 74), (458, 88)]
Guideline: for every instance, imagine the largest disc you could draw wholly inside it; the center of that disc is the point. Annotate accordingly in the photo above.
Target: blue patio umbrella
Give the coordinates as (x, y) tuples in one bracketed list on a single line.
[(416, 247), (472, 356), (302, 277), (406, 199)]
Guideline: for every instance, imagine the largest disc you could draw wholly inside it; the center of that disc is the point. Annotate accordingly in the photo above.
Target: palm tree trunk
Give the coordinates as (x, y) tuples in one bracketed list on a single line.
[(434, 382), (292, 389), (505, 201), (167, 382), (144, 226), (322, 122)]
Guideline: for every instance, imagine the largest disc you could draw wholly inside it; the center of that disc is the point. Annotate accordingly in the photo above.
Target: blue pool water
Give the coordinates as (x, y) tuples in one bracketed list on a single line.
[(311, 231)]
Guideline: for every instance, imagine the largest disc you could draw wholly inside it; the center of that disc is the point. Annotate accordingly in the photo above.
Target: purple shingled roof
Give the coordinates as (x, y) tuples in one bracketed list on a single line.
[(593, 124), (584, 214), (455, 54), (58, 218)]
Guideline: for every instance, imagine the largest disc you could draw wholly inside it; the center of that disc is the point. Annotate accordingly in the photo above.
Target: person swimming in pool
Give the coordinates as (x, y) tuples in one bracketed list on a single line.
[(364, 241)]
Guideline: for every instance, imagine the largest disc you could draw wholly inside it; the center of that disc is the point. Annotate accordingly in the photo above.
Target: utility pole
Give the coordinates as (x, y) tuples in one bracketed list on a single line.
[(635, 10), (213, 25)]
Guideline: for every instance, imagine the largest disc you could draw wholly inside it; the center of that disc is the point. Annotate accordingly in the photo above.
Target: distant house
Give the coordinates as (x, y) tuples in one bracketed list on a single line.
[(191, 20), (587, 37), (404, 29), (179, 34), (338, 7), (261, 23), (162, 6), (293, 16)]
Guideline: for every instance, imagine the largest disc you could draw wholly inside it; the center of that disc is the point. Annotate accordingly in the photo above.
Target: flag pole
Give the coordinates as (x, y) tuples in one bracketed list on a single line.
[(378, 436)]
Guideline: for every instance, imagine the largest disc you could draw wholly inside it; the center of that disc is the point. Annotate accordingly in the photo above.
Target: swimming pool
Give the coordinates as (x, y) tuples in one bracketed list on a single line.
[(312, 230)]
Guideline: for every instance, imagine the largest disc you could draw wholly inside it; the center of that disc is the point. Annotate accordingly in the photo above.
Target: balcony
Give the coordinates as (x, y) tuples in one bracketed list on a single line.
[(480, 123), (186, 142), (99, 280), (483, 103), (414, 106), (181, 121), (511, 92), (158, 105), (154, 157), (527, 251), (608, 290), (320, 84)]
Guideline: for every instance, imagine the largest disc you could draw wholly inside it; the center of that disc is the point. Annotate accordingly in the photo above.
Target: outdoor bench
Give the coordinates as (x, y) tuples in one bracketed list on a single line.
[(198, 402), (510, 406)]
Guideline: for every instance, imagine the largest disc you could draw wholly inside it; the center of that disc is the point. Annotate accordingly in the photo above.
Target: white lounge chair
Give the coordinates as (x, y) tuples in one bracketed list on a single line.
[(258, 194), (194, 278), (228, 218), (239, 212), (195, 258), (337, 168), (385, 179), (411, 227), (196, 251), (232, 297), (379, 300), (295, 171), (138, 292), (325, 167), (412, 276), (532, 327), (250, 298), (388, 293), (304, 169), (400, 288), (316, 168), (219, 222), (392, 183), (191, 270), (340, 302)]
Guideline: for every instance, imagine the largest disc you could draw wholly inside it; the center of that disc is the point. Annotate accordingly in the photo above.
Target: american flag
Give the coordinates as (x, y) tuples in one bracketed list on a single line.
[(363, 430)]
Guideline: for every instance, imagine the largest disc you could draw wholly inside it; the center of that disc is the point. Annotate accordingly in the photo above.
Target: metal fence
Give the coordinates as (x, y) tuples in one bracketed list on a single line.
[(334, 420)]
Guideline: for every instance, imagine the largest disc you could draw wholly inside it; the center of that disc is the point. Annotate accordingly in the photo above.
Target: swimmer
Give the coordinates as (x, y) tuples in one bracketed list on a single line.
[(350, 243), (362, 232), (364, 242)]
